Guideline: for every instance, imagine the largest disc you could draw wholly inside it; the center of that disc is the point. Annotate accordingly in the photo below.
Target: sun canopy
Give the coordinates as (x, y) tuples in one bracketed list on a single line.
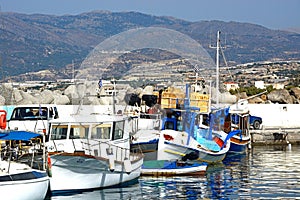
[(18, 135)]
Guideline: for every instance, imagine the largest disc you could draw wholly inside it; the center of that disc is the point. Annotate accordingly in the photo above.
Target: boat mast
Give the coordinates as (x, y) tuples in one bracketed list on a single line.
[(217, 68)]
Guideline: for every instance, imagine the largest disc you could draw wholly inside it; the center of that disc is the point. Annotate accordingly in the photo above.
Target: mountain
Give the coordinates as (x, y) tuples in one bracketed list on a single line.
[(37, 42)]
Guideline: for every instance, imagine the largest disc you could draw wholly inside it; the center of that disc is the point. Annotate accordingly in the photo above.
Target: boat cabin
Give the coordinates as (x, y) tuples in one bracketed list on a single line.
[(106, 131), (82, 132)]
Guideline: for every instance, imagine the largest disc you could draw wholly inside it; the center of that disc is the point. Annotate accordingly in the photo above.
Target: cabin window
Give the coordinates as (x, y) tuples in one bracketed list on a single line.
[(59, 132), (79, 132), (118, 130), (101, 131)]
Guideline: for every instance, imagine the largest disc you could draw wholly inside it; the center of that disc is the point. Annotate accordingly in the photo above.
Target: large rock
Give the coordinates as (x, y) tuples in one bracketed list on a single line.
[(6, 92), (280, 96), (70, 91), (295, 91), (27, 98), (25, 102), (227, 98), (45, 97), (256, 100), (17, 96), (2, 101), (242, 95), (60, 99), (148, 90)]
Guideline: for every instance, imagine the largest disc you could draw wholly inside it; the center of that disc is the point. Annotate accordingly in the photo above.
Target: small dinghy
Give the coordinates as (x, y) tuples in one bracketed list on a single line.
[(172, 168)]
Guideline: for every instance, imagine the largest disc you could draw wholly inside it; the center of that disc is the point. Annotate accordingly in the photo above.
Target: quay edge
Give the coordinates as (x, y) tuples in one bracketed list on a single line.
[(275, 136)]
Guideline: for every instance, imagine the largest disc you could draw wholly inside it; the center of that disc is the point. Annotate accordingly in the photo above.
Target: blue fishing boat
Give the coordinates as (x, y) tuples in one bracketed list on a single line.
[(182, 133)]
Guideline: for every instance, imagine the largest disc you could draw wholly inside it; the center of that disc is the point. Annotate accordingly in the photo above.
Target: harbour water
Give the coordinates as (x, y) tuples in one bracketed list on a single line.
[(264, 172)]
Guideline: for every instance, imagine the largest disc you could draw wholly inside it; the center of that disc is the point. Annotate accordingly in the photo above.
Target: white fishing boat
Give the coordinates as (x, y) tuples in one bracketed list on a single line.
[(91, 150), (20, 179)]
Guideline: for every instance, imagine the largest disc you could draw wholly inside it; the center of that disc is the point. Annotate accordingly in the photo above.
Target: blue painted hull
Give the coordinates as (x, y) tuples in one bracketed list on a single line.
[(238, 148)]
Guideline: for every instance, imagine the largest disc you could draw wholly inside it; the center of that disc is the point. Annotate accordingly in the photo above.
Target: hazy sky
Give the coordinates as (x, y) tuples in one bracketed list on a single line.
[(275, 14)]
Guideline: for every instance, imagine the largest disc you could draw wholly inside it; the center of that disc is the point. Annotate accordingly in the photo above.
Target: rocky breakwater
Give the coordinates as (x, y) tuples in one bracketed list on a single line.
[(86, 94), (280, 96), (14, 96)]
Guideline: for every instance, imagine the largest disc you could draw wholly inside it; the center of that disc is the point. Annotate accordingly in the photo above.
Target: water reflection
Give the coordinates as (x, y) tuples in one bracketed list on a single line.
[(266, 172), (104, 194), (173, 188)]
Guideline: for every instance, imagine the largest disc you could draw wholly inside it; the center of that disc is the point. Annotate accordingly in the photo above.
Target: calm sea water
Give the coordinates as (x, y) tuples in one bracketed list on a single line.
[(267, 172)]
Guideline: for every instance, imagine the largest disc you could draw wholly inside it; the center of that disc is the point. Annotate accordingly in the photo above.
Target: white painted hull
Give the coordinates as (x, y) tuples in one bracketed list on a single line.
[(177, 144), (25, 189), (172, 151), (80, 173)]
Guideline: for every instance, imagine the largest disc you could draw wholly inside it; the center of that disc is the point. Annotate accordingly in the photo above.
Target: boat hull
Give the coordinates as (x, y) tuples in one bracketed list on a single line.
[(239, 145), (24, 188), (175, 145), (172, 168), (149, 149), (173, 151), (70, 173)]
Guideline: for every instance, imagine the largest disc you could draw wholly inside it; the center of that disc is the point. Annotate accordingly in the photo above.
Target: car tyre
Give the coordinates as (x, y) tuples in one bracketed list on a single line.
[(256, 124)]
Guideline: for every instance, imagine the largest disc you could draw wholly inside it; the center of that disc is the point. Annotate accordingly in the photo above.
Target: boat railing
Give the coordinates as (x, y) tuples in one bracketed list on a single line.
[(107, 150), (30, 153)]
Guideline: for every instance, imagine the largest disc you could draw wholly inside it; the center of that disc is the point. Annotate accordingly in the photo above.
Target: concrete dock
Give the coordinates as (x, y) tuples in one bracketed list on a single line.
[(275, 135)]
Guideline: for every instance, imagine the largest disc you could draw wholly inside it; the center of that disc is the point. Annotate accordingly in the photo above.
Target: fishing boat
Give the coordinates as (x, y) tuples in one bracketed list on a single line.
[(239, 121), (236, 124), (91, 150), (181, 133), (22, 178)]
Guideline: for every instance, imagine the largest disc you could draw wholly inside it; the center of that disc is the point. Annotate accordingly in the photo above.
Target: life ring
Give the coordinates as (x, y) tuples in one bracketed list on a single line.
[(3, 119)]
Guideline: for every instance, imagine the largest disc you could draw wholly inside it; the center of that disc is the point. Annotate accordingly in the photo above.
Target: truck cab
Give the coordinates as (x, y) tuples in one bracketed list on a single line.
[(34, 118)]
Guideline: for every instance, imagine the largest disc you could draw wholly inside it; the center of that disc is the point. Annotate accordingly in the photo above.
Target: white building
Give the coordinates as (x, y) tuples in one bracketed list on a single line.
[(259, 84), (231, 86)]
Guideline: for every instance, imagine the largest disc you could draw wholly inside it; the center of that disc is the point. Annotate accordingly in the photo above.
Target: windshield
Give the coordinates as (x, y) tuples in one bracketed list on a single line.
[(29, 113)]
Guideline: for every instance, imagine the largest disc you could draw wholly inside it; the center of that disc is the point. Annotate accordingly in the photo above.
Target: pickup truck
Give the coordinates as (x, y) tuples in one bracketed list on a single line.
[(254, 121)]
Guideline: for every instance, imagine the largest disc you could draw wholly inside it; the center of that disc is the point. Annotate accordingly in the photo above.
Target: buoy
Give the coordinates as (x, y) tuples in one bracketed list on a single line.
[(127, 166), (3, 119), (111, 161)]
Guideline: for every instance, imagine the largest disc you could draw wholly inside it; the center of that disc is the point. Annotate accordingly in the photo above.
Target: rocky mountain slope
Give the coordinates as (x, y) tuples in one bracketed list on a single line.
[(38, 42)]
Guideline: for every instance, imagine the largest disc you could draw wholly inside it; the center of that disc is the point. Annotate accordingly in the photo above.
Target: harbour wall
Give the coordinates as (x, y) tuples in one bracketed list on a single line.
[(281, 124)]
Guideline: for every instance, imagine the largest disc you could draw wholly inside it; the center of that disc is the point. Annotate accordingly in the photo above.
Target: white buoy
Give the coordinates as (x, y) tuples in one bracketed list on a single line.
[(127, 166), (111, 162)]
